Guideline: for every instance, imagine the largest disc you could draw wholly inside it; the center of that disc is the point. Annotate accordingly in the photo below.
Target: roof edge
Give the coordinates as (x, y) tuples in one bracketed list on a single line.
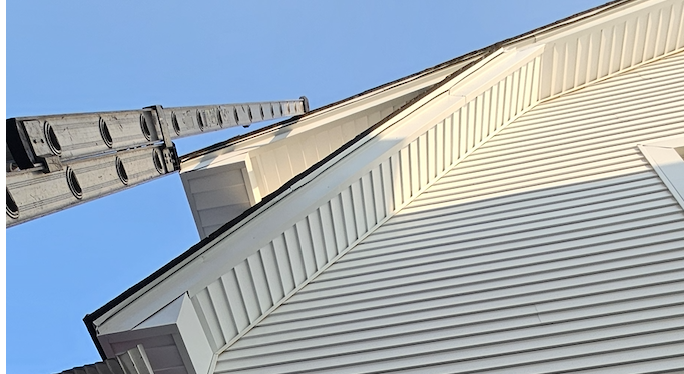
[(477, 56), (474, 54)]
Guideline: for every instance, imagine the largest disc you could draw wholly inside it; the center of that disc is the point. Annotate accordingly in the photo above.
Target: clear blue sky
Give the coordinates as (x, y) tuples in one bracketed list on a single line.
[(86, 56)]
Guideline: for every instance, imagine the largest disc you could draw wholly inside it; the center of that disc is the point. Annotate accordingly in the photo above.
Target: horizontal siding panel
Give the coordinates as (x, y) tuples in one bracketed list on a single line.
[(549, 179), (601, 304), (469, 355), (579, 150), (502, 210), (410, 305), (554, 129), (522, 228), (485, 285), (535, 271), (429, 269), (633, 231), (624, 89), (591, 188), (662, 297), (520, 330), (640, 132)]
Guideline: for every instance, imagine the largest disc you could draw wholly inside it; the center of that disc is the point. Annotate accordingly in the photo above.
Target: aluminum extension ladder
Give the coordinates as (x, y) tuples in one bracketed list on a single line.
[(57, 161)]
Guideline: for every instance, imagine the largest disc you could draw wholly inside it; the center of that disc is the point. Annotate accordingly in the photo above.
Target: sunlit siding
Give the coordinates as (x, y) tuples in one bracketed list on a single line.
[(238, 299), (554, 247), (603, 50)]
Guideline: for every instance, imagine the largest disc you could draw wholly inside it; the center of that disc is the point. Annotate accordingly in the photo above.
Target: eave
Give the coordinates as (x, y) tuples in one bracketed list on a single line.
[(383, 155)]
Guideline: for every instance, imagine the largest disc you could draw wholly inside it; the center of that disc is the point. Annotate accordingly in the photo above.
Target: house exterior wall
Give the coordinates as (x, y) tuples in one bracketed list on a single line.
[(554, 246), (255, 272), (236, 282), (236, 301)]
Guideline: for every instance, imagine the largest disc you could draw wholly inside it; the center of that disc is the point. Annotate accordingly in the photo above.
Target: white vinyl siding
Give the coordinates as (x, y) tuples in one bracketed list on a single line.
[(319, 239), (553, 247)]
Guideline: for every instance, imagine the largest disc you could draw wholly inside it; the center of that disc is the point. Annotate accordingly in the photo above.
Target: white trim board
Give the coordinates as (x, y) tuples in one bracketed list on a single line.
[(665, 155)]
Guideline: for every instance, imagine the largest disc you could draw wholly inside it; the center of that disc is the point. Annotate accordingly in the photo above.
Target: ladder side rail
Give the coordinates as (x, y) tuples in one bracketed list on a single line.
[(68, 159), (188, 121), (40, 139), (34, 193)]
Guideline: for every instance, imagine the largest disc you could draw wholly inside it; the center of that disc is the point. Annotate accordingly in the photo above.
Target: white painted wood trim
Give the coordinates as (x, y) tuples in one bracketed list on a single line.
[(663, 156)]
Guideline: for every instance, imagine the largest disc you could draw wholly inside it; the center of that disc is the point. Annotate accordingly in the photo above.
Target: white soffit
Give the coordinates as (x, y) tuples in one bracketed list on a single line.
[(366, 101), (667, 158)]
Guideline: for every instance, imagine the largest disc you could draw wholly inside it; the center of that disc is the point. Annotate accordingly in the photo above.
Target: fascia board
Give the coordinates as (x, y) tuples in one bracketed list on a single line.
[(256, 230)]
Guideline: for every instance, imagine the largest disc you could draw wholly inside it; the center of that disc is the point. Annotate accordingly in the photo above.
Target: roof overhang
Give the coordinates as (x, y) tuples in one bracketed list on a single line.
[(553, 65)]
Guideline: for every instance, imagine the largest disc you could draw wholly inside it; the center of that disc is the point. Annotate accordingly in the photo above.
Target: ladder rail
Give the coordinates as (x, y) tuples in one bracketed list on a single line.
[(63, 160)]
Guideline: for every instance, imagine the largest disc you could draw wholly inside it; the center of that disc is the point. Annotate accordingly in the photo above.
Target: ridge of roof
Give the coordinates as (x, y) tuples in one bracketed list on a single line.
[(476, 57)]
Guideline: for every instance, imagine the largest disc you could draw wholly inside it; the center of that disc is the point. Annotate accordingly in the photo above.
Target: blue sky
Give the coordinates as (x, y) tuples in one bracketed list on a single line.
[(82, 56)]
